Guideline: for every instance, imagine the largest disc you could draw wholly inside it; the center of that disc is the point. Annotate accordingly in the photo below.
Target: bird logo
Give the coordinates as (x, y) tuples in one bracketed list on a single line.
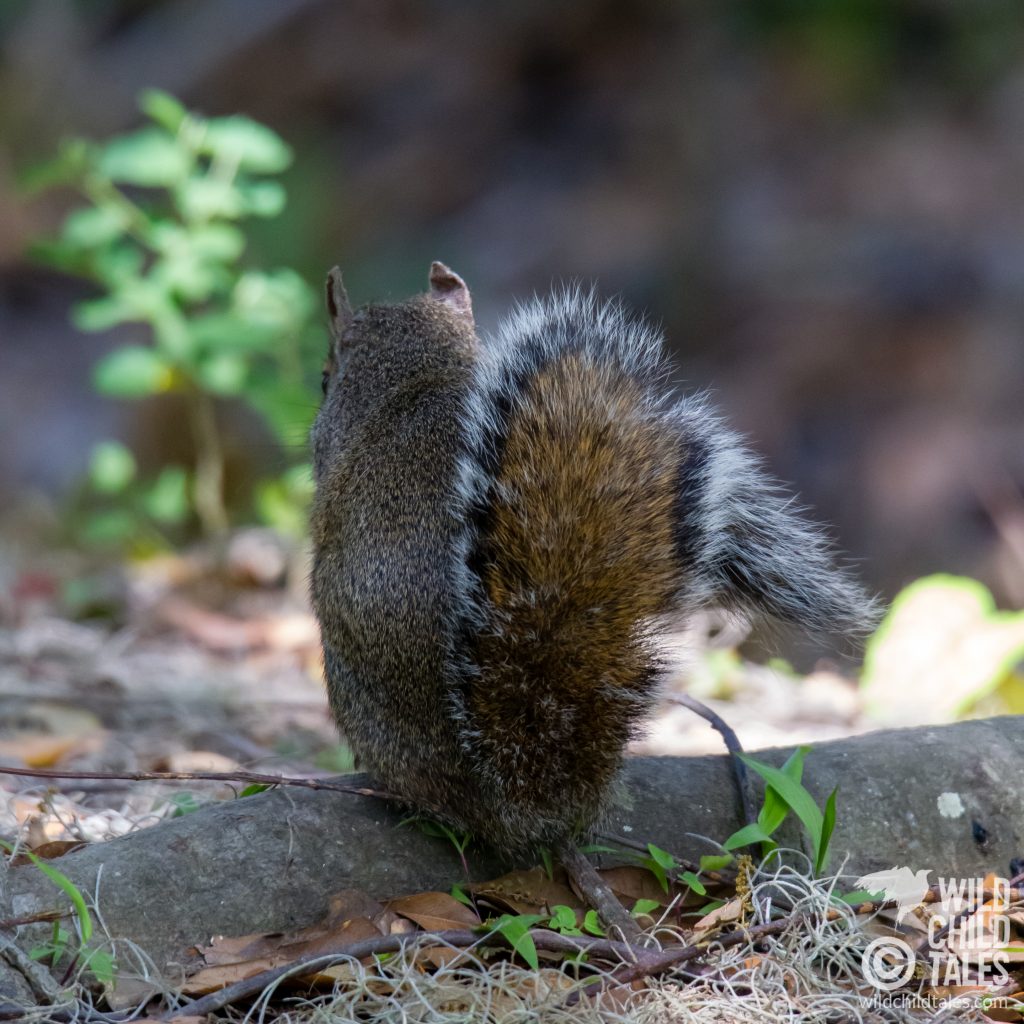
[(907, 887)]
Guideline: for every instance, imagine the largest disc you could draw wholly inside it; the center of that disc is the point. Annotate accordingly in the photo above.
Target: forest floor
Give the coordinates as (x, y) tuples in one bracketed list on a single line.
[(211, 662)]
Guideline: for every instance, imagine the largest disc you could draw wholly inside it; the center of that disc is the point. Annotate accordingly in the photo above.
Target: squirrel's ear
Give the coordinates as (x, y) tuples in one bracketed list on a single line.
[(339, 309), (446, 286)]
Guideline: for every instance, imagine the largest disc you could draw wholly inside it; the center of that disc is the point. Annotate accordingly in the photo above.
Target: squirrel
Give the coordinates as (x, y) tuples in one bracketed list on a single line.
[(502, 527)]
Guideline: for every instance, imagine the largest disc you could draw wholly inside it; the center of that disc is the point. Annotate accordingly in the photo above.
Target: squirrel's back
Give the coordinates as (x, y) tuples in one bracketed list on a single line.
[(574, 505)]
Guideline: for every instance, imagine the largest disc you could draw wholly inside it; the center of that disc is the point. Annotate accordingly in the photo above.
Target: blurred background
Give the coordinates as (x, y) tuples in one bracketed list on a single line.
[(822, 201)]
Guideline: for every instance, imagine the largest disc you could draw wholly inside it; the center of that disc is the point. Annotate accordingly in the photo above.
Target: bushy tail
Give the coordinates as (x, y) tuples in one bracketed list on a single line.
[(746, 544), (592, 505), (570, 490)]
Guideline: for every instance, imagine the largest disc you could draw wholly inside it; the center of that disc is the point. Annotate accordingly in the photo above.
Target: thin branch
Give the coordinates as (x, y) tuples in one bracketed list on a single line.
[(732, 744), (598, 893), (551, 941), (256, 778)]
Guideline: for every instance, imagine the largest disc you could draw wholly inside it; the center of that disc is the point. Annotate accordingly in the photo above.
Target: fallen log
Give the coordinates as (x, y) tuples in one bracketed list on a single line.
[(947, 798)]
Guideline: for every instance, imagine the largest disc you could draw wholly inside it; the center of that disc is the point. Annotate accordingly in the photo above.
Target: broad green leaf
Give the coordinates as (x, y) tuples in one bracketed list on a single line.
[(149, 157), (223, 374), (690, 879), (642, 907), (592, 924), (662, 857), (94, 226), (516, 930), (163, 108), (715, 862), (262, 198), (943, 646), (201, 198), (861, 896), (183, 803), (117, 263), (101, 964), (94, 315), (253, 147), (111, 468), (133, 372), (799, 800), (749, 834), (563, 917), (166, 500), (253, 788), (220, 242)]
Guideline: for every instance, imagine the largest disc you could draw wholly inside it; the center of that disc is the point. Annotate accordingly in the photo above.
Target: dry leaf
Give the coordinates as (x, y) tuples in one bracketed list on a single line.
[(435, 911)]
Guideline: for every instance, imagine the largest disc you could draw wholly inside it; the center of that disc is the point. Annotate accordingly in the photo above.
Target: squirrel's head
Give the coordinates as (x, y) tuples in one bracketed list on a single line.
[(382, 357)]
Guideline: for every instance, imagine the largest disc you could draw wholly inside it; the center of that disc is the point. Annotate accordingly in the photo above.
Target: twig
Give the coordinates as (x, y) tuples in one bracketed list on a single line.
[(249, 777), (732, 744), (44, 915), (598, 893), (550, 941)]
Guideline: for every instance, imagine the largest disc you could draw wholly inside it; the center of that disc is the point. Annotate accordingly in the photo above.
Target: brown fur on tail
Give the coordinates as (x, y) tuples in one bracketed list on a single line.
[(577, 555)]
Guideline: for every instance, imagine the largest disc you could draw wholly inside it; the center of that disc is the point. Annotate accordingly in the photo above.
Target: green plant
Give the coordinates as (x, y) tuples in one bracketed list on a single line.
[(99, 962), (784, 793), (160, 235)]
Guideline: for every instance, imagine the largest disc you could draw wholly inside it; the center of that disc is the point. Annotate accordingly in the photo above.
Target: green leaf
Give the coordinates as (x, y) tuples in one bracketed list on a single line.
[(459, 893), (183, 803), (200, 198), (262, 198), (71, 890), (220, 242), (774, 810), (110, 527), (563, 918), (827, 827), (163, 108), (661, 857), (515, 928), (223, 374), (253, 146), (149, 157), (642, 907), (166, 500), (101, 964), (746, 836), (799, 800), (715, 862), (708, 907), (111, 468), (94, 226), (592, 925), (253, 788), (861, 896), (94, 315), (693, 882), (132, 372)]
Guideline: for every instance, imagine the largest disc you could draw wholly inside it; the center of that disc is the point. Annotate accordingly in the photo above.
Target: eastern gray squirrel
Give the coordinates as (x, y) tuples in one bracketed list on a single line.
[(502, 528)]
